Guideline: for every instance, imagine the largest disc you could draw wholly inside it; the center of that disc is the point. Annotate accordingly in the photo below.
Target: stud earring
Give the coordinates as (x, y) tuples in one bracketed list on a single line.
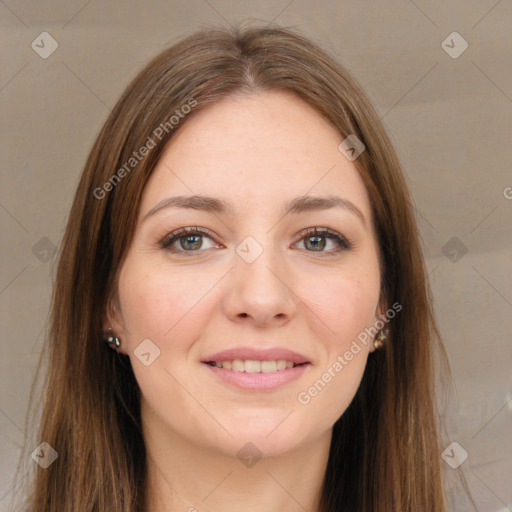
[(113, 341), (380, 339)]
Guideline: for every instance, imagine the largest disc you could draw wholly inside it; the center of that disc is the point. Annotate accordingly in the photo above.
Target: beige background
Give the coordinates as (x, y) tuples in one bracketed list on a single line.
[(450, 118)]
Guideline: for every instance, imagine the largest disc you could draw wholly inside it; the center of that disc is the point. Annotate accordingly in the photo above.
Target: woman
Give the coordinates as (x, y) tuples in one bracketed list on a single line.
[(243, 238)]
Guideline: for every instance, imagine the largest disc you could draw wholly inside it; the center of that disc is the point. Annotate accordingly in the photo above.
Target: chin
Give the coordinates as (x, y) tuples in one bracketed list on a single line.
[(270, 436)]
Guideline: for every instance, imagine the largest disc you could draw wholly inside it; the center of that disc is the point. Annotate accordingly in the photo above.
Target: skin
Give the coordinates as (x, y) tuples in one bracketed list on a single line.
[(256, 151)]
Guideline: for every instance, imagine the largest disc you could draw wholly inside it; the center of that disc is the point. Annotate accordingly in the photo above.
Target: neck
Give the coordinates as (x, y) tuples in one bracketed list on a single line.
[(185, 477)]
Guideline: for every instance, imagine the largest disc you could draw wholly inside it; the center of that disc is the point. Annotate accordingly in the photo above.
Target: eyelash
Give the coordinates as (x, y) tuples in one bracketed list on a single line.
[(342, 242)]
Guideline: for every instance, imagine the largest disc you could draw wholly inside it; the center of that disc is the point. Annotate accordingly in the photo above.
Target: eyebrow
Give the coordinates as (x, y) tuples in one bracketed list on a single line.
[(297, 205)]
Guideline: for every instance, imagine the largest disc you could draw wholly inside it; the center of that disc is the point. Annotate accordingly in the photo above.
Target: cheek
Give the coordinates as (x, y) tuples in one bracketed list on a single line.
[(346, 302), (145, 301), (156, 303), (347, 306)]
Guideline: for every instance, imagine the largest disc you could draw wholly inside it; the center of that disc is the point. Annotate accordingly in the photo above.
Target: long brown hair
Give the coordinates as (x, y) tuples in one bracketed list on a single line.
[(385, 451)]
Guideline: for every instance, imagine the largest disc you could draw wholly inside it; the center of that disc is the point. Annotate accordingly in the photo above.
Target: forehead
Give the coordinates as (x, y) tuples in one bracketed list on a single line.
[(256, 151)]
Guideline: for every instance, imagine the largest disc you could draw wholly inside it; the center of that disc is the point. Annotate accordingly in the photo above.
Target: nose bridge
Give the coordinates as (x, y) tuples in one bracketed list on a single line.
[(258, 263), (260, 279)]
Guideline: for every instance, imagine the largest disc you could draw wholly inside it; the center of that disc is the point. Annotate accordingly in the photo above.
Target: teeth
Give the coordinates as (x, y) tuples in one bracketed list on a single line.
[(268, 366), (252, 366), (281, 364), (237, 365)]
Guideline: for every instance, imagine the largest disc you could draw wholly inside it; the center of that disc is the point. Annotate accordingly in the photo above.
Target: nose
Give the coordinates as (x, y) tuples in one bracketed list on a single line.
[(259, 292)]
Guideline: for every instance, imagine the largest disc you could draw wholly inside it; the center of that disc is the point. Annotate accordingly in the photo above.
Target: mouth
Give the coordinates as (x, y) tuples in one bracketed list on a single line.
[(256, 370), (254, 366)]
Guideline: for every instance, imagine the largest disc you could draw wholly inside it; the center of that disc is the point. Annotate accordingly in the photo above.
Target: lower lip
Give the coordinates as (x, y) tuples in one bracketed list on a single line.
[(259, 381)]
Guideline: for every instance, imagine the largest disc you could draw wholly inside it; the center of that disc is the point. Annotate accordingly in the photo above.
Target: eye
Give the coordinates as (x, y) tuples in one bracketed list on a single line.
[(189, 240), (316, 239)]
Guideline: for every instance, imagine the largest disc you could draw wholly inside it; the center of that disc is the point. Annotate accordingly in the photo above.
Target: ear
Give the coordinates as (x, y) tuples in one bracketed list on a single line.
[(113, 319), (380, 311)]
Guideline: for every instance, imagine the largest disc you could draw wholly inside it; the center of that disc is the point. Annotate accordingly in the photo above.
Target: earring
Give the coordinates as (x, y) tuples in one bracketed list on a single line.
[(380, 339), (112, 339)]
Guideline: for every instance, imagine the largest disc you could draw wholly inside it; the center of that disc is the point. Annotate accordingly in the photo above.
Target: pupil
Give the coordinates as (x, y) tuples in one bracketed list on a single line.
[(316, 244), (190, 238)]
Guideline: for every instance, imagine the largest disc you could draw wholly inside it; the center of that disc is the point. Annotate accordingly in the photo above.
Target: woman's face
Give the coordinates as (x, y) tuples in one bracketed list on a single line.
[(254, 289)]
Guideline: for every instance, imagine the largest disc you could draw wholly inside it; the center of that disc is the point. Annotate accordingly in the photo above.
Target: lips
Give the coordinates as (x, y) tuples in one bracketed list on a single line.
[(249, 369)]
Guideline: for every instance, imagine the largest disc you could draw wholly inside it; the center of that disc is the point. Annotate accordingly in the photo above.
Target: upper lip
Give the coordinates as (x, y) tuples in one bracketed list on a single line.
[(257, 355)]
